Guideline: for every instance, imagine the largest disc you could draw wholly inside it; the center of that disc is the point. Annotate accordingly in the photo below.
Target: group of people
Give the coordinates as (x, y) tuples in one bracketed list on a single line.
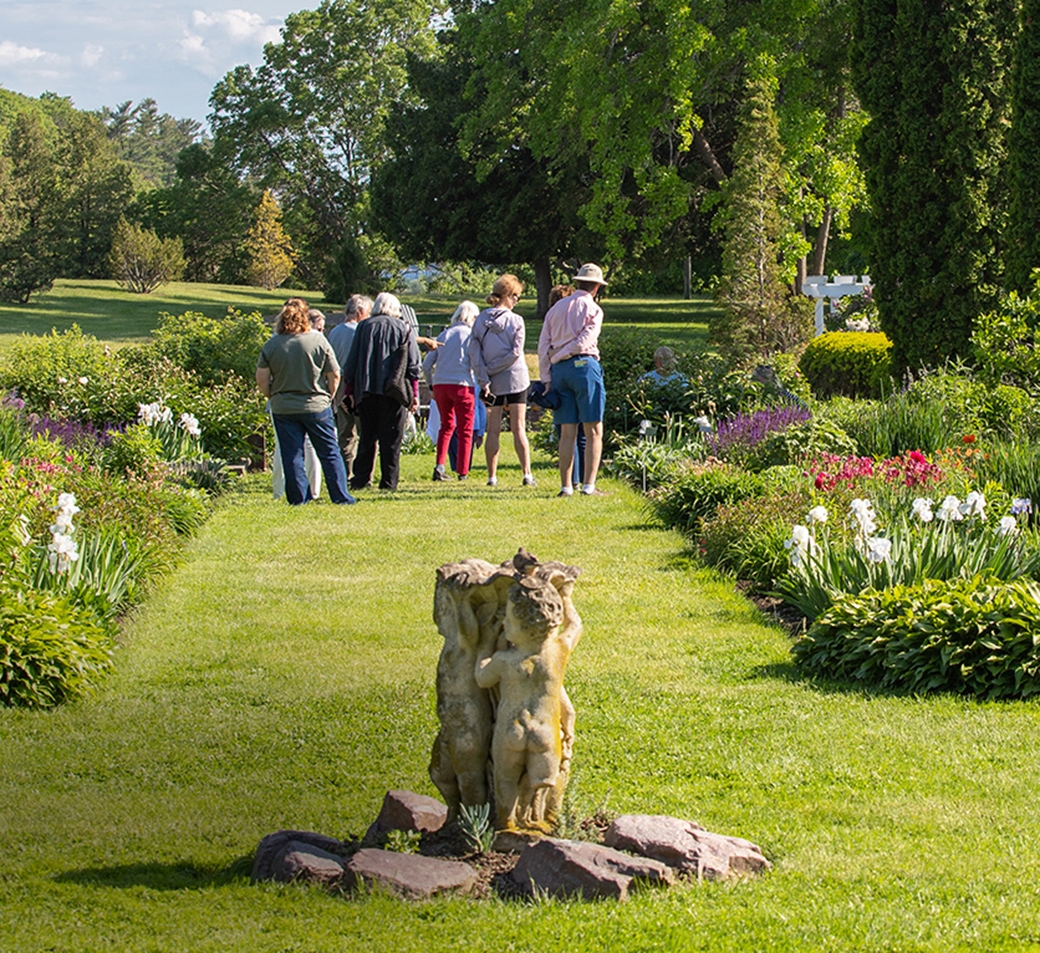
[(352, 394)]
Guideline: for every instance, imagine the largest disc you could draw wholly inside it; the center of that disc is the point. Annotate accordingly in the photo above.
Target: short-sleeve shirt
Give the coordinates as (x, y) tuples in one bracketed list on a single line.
[(298, 365)]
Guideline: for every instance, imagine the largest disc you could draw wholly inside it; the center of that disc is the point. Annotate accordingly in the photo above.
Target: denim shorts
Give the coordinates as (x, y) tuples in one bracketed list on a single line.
[(579, 382)]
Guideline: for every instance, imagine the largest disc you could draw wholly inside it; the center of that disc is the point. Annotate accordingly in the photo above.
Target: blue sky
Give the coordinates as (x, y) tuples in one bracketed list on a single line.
[(104, 52)]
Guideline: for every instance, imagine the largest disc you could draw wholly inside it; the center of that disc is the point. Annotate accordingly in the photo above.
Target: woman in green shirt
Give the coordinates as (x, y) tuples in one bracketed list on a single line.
[(297, 370)]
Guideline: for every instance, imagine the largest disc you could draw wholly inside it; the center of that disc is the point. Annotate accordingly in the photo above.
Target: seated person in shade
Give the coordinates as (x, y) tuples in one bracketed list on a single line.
[(664, 371)]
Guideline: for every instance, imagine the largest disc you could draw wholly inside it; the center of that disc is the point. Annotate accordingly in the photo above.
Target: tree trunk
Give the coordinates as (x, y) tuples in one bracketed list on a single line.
[(822, 234), (543, 285)]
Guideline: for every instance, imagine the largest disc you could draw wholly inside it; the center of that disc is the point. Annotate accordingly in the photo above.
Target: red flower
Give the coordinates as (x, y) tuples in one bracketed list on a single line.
[(968, 438)]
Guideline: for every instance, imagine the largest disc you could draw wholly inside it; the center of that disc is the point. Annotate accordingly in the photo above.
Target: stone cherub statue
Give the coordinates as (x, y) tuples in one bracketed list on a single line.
[(504, 712)]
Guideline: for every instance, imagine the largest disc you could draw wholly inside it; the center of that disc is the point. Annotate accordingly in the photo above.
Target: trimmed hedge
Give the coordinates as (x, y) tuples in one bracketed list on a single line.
[(976, 636), (848, 363)]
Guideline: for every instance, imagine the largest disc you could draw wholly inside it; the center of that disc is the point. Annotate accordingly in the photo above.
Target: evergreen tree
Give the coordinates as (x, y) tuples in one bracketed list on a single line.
[(757, 317), (934, 78), (1023, 234), (28, 263), (270, 250), (97, 191)]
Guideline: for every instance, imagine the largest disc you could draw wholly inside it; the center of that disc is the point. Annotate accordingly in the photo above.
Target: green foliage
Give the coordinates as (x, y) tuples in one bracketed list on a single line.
[(137, 451), (977, 636), (476, 827), (210, 347), (209, 209), (50, 650), (890, 427), (1011, 463), (935, 82), (141, 261), (748, 539), (106, 579), (1022, 237), (13, 436), (72, 376), (270, 251), (403, 842), (647, 464), (700, 489), (1006, 340), (849, 363), (799, 443), (758, 319), (29, 209), (309, 121)]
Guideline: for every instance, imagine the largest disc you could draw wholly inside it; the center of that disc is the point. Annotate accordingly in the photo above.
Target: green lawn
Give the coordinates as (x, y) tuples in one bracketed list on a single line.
[(103, 309), (284, 677)]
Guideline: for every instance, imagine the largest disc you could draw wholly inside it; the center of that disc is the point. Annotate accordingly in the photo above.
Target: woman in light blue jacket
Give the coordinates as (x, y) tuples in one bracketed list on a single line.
[(496, 350), (447, 370)]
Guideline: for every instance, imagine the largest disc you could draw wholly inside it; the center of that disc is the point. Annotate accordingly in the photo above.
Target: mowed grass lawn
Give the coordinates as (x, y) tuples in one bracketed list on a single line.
[(283, 677), (106, 311)]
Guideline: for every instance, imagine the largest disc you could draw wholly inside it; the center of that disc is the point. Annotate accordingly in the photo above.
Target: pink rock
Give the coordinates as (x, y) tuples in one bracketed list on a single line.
[(686, 846), (565, 868), (408, 875)]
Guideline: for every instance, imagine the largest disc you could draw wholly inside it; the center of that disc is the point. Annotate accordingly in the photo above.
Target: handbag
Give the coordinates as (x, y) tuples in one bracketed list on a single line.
[(397, 387)]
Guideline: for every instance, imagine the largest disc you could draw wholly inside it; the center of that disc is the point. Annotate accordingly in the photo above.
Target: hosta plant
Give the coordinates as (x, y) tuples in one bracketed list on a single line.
[(977, 635)]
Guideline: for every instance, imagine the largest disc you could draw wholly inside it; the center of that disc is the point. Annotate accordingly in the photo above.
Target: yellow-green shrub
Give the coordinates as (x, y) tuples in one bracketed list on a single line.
[(849, 363)]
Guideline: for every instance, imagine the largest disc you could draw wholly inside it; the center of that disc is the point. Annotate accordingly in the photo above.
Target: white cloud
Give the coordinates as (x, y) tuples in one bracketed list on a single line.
[(240, 26), (91, 54), (13, 53)]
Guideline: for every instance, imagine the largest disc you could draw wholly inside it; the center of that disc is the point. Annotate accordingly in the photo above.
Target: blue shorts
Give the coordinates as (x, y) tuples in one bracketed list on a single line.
[(579, 382)]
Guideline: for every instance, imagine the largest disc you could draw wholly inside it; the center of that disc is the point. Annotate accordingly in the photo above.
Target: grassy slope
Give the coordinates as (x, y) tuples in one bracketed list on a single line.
[(104, 310), (284, 678)]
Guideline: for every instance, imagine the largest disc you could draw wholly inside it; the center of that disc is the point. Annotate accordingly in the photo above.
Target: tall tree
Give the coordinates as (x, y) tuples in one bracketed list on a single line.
[(28, 260), (494, 206), (1023, 234), (934, 78), (209, 209), (309, 121), (647, 92), (149, 140), (96, 191), (757, 318)]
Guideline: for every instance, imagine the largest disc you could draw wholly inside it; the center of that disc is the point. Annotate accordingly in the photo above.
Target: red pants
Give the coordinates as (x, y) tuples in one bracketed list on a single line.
[(457, 405)]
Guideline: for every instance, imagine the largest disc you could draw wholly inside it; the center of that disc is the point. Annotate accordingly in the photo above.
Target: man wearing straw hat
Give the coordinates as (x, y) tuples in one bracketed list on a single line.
[(568, 363)]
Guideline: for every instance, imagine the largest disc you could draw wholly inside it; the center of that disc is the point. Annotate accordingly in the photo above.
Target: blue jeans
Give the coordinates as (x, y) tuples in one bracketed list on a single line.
[(321, 428)]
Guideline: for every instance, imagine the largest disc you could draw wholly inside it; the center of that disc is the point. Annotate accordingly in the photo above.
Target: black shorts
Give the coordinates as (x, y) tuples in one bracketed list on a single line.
[(501, 400)]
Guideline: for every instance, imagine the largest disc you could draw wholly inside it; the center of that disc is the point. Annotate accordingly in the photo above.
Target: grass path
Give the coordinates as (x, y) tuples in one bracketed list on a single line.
[(283, 677)]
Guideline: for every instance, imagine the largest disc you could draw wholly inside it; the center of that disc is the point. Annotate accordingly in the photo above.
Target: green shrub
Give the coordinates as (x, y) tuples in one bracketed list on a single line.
[(211, 347), (1006, 342), (647, 464), (849, 363), (136, 450), (748, 539), (978, 636), (57, 374), (700, 489), (50, 650), (1011, 412), (803, 441)]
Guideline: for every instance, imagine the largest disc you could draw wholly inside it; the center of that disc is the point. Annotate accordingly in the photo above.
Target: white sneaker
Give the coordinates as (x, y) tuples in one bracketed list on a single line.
[(492, 481), (528, 480)]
